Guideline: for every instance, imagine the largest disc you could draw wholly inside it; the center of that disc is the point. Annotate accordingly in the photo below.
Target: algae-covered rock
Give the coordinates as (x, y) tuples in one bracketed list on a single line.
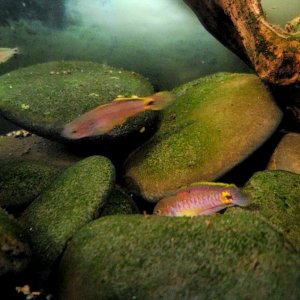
[(119, 202), (71, 201), (287, 155), (230, 256), (22, 181), (214, 123), (15, 253), (276, 196), (42, 98), (35, 148)]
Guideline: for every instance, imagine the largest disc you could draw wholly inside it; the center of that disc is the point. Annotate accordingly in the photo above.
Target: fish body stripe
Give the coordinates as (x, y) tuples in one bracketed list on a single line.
[(202, 199), (199, 199)]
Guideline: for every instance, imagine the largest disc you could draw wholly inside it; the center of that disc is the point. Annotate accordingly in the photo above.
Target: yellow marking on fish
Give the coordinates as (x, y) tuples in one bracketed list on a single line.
[(218, 184), (128, 98), (147, 100), (226, 197), (189, 212)]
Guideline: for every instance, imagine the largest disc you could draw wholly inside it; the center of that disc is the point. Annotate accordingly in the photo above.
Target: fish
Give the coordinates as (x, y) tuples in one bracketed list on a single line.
[(7, 53), (201, 198), (105, 118)]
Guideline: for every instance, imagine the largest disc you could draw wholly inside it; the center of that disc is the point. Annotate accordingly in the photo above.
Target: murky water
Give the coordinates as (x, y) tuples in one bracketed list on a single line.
[(280, 12), (163, 40)]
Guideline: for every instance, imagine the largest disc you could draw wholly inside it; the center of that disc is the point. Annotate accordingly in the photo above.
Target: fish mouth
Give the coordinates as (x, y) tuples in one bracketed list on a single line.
[(71, 135)]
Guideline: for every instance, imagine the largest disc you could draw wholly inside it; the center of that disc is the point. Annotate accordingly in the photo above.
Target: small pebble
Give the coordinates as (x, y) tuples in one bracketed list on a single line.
[(19, 133)]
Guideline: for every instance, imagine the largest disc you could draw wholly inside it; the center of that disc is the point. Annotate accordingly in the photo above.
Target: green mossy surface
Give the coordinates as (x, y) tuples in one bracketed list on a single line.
[(276, 196), (214, 123), (229, 256), (22, 181), (72, 200), (119, 202), (15, 253), (286, 155), (34, 92), (44, 97), (35, 148)]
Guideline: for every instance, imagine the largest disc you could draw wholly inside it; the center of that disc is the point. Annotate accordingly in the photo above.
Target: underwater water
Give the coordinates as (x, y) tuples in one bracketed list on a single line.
[(111, 186), (163, 40), (280, 12)]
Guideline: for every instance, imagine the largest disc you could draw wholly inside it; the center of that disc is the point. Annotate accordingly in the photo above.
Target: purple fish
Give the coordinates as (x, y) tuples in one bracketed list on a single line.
[(201, 198), (104, 118)]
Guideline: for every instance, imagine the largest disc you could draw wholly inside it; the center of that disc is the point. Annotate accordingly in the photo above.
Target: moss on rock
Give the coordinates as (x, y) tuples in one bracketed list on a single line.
[(35, 148), (72, 200), (229, 256), (42, 98), (214, 123), (22, 181), (15, 253), (276, 197), (287, 155), (119, 202)]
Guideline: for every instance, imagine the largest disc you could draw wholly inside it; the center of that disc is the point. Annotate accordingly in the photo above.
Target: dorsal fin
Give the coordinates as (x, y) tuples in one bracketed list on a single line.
[(216, 184)]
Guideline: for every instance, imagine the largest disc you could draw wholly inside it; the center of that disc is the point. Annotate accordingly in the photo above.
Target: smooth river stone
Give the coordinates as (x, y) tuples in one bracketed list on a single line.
[(287, 154), (229, 256), (276, 197), (213, 125), (71, 201), (42, 98), (22, 181)]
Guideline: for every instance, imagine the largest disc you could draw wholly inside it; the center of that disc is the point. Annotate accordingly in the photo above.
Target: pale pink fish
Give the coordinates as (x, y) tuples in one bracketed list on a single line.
[(104, 118), (201, 198), (7, 53)]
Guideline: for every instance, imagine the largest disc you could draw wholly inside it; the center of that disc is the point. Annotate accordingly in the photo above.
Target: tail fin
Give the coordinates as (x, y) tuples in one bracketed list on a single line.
[(159, 101)]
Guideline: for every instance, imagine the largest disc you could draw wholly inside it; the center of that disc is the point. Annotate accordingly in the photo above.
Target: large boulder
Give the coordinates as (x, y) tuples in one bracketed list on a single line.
[(23, 181), (42, 98), (276, 198), (229, 256), (37, 149), (213, 125), (119, 203), (72, 200), (287, 155)]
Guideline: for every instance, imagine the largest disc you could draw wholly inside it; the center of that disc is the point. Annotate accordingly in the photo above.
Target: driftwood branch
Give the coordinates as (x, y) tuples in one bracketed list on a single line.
[(241, 25)]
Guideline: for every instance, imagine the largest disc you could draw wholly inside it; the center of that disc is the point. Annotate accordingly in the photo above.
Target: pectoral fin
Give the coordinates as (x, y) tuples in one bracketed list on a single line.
[(213, 210)]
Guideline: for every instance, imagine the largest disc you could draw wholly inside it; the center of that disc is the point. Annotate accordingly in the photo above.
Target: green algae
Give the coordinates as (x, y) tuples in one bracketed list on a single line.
[(276, 196), (214, 123), (15, 253), (230, 256), (72, 200), (61, 91), (22, 181), (42, 98), (119, 202)]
